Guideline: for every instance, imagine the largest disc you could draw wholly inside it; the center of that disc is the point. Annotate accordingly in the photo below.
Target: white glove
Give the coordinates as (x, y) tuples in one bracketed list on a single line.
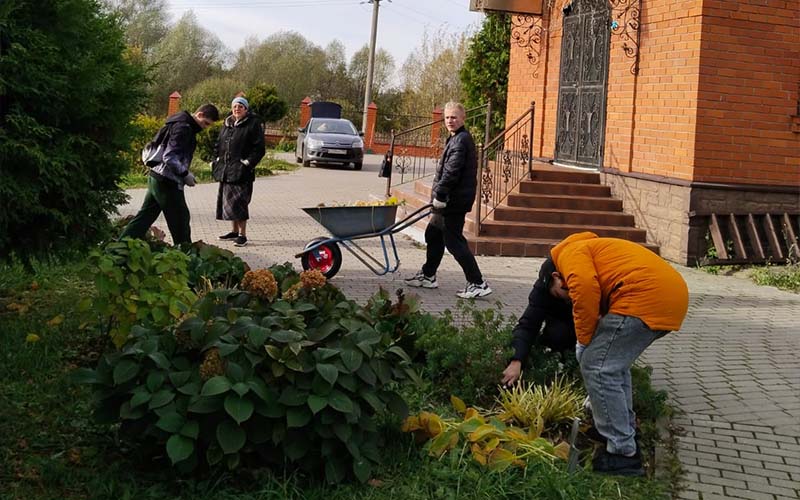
[(439, 204), (246, 163), (579, 348), (189, 180)]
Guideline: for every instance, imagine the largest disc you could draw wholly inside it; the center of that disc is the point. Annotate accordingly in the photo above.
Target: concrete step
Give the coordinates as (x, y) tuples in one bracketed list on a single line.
[(564, 188), (557, 231), (564, 202), (563, 216)]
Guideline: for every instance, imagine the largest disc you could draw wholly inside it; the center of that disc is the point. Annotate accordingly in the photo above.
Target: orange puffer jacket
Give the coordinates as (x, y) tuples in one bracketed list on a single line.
[(609, 275)]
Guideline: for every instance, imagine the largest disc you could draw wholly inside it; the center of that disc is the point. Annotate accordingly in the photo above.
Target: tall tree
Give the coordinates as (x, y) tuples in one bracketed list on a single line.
[(145, 21), (217, 90), (382, 74), (72, 92), (430, 74), (187, 55), (287, 60), (485, 71)]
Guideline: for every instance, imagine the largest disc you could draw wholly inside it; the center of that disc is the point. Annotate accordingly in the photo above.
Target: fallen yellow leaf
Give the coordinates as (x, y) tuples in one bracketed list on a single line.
[(32, 338), (56, 320)]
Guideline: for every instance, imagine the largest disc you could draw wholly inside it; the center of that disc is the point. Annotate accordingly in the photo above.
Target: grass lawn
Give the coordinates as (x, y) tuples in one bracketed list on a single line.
[(50, 448), (202, 171)]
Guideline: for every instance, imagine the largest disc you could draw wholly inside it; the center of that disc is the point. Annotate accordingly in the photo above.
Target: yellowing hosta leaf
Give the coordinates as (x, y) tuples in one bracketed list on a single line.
[(492, 444), (483, 432), (458, 404), (410, 424), (478, 454), (442, 443), (562, 450), (434, 425), (56, 320), (501, 459), (516, 434), (472, 413)]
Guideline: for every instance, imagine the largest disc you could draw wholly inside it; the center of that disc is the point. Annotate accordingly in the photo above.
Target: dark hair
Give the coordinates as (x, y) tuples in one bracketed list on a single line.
[(209, 111), (546, 273)]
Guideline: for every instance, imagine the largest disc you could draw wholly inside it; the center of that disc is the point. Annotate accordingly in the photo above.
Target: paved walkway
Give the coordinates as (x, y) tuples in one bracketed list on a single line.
[(733, 370)]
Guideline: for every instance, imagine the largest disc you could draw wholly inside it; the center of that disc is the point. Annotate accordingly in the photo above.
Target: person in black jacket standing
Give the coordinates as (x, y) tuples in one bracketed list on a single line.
[(454, 189), (167, 179), (558, 333), (239, 149)]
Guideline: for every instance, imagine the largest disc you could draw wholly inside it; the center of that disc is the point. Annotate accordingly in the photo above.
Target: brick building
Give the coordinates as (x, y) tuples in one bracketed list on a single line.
[(687, 108)]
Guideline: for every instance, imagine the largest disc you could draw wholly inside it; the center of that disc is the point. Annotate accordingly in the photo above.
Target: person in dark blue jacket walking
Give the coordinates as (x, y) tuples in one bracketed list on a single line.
[(167, 179)]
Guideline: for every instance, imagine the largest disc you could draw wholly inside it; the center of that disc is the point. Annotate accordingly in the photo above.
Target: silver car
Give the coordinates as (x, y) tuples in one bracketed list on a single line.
[(331, 141)]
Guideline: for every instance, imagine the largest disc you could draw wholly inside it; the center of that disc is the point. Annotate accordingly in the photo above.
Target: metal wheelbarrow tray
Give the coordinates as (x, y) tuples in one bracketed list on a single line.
[(350, 223)]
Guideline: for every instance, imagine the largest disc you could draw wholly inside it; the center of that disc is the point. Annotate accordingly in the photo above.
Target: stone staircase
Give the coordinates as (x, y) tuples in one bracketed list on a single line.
[(539, 213)]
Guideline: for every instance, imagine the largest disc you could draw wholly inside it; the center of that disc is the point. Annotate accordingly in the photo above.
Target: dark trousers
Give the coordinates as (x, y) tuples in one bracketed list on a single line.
[(450, 236), (162, 197)]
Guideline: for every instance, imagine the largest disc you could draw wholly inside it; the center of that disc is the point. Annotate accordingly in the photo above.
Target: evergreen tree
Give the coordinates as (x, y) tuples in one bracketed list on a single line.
[(484, 74), (71, 92)]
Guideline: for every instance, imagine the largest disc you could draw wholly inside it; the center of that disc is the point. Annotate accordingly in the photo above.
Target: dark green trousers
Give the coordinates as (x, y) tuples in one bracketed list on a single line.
[(162, 196)]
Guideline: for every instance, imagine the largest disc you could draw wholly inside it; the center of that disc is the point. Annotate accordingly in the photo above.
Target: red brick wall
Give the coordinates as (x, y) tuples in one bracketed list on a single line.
[(717, 83), (749, 79)]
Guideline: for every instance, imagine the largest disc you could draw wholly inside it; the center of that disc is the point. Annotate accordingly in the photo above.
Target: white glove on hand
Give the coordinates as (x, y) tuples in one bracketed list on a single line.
[(579, 348), (189, 180), (246, 163), (439, 204)]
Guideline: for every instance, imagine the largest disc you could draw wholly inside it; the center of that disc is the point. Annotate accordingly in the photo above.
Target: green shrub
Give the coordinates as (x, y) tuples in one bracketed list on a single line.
[(221, 267), (137, 286), (145, 128), (264, 102), (206, 142), (286, 146), (72, 91), (287, 373), (467, 361)]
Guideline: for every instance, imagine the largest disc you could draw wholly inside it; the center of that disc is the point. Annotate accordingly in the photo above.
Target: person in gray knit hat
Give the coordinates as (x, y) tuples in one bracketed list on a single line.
[(239, 149)]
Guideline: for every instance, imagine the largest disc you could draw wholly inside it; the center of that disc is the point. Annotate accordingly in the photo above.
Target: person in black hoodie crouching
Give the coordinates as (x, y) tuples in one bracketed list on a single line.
[(167, 179)]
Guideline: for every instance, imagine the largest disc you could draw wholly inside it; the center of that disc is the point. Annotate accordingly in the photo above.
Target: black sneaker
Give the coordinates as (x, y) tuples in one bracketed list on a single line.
[(618, 465), (241, 241), (229, 236)]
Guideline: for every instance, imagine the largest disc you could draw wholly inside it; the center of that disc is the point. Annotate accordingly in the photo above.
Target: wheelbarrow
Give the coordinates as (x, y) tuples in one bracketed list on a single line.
[(348, 224)]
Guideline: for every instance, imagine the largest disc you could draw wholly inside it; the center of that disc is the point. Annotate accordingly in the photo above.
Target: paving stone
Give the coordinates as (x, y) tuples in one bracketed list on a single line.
[(753, 495), (723, 481)]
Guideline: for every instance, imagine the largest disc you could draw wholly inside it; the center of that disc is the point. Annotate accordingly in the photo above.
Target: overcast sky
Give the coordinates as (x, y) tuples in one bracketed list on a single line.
[(401, 23)]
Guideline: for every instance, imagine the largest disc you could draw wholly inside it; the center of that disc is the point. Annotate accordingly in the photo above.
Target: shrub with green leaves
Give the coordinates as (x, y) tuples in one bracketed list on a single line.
[(137, 286), (219, 266), (466, 352), (72, 90), (296, 379)]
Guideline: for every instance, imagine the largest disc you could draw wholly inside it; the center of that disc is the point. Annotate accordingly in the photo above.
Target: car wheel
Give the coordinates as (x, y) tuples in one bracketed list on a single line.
[(358, 165), (306, 163)]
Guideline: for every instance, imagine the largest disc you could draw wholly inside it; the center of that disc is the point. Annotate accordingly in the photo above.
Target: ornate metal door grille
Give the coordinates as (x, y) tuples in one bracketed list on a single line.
[(582, 83)]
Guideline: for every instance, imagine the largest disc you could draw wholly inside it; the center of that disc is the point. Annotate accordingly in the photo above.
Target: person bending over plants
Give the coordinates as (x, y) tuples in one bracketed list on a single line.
[(623, 297)]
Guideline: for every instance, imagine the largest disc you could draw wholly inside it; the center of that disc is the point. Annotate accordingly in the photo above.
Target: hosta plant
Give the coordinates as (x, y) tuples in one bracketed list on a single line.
[(285, 371), (490, 441)]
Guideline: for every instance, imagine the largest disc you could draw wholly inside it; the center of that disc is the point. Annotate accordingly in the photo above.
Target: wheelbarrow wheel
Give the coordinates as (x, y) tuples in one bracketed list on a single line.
[(326, 258)]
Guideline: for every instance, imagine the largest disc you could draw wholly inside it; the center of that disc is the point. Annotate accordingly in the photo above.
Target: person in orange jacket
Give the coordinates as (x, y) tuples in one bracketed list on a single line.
[(624, 297)]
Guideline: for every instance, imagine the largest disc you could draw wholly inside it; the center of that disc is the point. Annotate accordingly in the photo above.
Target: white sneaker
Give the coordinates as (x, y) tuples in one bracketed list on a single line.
[(475, 290), (419, 280)]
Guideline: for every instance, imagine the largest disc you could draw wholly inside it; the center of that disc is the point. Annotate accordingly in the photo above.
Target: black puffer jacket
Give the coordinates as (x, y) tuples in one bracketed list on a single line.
[(456, 179), (239, 149)]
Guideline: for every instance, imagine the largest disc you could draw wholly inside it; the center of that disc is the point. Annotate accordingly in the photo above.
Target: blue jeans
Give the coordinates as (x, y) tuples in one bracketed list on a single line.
[(606, 369)]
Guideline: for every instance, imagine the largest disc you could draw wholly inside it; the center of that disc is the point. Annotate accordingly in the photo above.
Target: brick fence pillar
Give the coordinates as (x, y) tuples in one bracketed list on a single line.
[(174, 103), (436, 128), (305, 111), (369, 130)]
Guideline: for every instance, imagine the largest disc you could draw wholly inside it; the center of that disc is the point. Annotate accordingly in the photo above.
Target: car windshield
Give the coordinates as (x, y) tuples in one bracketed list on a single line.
[(333, 127)]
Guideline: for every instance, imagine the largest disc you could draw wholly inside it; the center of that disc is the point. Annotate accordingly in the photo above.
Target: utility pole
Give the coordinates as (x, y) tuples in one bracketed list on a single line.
[(371, 63)]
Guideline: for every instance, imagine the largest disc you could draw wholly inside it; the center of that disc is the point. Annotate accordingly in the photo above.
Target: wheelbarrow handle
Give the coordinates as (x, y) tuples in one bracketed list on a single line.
[(411, 219)]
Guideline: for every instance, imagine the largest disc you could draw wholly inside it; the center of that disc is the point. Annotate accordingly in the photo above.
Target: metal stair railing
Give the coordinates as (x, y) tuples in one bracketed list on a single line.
[(415, 152), (503, 163)]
